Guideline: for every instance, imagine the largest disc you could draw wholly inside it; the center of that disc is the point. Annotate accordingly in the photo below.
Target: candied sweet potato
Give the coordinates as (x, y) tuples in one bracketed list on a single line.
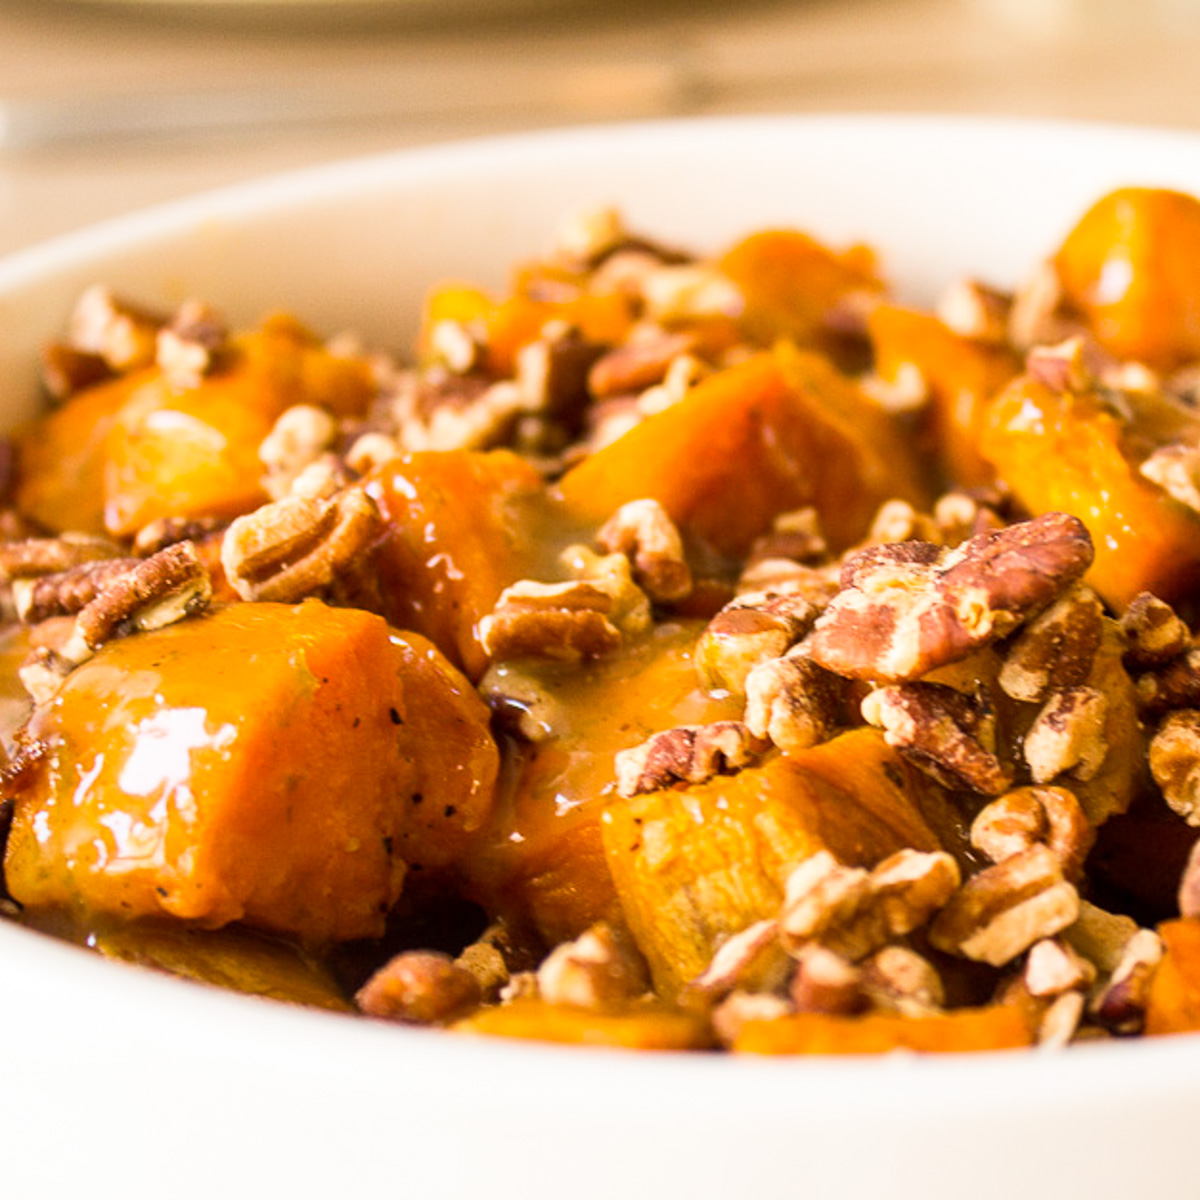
[(1067, 452), (461, 527), (124, 453), (694, 866), (961, 374), (642, 1027), (259, 764), (1174, 1002), (777, 432), (1131, 267), (542, 861), (992, 1027)]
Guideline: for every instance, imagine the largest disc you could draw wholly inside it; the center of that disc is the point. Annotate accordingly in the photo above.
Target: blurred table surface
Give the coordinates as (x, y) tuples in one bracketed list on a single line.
[(106, 107)]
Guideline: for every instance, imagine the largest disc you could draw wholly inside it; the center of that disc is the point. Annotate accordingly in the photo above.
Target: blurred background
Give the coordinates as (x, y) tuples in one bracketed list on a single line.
[(108, 106)]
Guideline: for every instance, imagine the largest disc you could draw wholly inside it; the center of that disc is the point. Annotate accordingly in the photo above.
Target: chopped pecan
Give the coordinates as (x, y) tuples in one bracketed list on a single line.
[(752, 629), (1036, 316), (370, 450), (737, 960), (1053, 967), (420, 987), (794, 535), (552, 373), (908, 887), (974, 310), (689, 291), (829, 903), (299, 437), (1121, 1004), (189, 346), (908, 607), (685, 754), (960, 516), (1029, 815), (945, 733), (739, 1008), (792, 701), (1175, 469), (905, 391), (567, 621), (1068, 735), (67, 370), (43, 671), (1189, 884), (826, 982), (596, 970), (457, 346), (684, 371), (521, 703), (1174, 685), (638, 363), (642, 531), (899, 521), (66, 592), (817, 585), (585, 235), (1154, 633), (1068, 366), (1056, 649), (166, 531), (1003, 910), (29, 557), (123, 334), (1175, 762), (297, 546), (897, 979), (155, 592), (1060, 1021)]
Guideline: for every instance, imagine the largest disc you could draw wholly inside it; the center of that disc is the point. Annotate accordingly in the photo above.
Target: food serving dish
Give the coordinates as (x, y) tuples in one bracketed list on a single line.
[(210, 1090)]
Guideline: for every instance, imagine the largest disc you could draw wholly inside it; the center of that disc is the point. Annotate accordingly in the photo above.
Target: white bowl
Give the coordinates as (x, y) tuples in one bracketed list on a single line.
[(132, 1084)]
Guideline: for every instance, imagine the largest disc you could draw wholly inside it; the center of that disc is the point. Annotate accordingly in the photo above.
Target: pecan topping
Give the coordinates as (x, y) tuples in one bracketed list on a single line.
[(898, 521), (1154, 633), (752, 629), (908, 607), (299, 437), (29, 557), (1036, 314), (689, 291), (642, 531), (67, 370), (166, 531), (1175, 685), (897, 979), (121, 333), (975, 310), (1056, 649), (567, 621), (793, 535), (1030, 815), (189, 345), (457, 346), (297, 547), (1189, 884), (1003, 910), (1060, 1021), (737, 959), (1175, 763), (827, 902), (596, 970), (1121, 1004), (552, 373), (1053, 967), (66, 592), (420, 987), (1069, 366), (945, 733), (826, 982), (739, 1008), (1068, 735), (793, 702), (686, 754), (1176, 469), (910, 886), (639, 363)]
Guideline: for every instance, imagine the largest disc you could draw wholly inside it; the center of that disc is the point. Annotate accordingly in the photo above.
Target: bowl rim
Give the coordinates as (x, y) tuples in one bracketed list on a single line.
[(870, 1086)]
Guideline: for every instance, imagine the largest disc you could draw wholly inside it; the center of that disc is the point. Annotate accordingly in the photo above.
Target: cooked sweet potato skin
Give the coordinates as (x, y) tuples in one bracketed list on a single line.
[(259, 764)]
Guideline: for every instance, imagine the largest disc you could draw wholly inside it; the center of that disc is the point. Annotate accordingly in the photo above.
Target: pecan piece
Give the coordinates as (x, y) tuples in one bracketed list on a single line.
[(297, 546), (908, 887), (1029, 815), (793, 702), (638, 363), (1121, 1004), (642, 531), (567, 621), (67, 370), (975, 310), (832, 904), (1068, 735), (1003, 910), (945, 733), (419, 987), (897, 979), (122, 334), (300, 436), (166, 531), (793, 535), (66, 592), (1067, 366), (28, 557), (1154, 633), (1053, 967), (1175, 685), (826, 982), (739, 959), (686, 754), (1056, 649), (1175, 469), (596, 970), (1189, 884), (906, 608), (189, 346), (1175, 762)]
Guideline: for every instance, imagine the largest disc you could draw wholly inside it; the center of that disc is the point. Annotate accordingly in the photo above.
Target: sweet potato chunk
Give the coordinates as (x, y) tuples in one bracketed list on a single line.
[(461, 527), (1131, 267), (636, 1028), (993, 1027), (962, 375), (1067, 452), (692, 867), (124, 453), (777, 432), (261, 764), (1174, 1004)]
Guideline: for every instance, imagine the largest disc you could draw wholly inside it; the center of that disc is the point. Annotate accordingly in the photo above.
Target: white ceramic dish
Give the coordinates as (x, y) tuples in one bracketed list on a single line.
[(130, 1084)]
